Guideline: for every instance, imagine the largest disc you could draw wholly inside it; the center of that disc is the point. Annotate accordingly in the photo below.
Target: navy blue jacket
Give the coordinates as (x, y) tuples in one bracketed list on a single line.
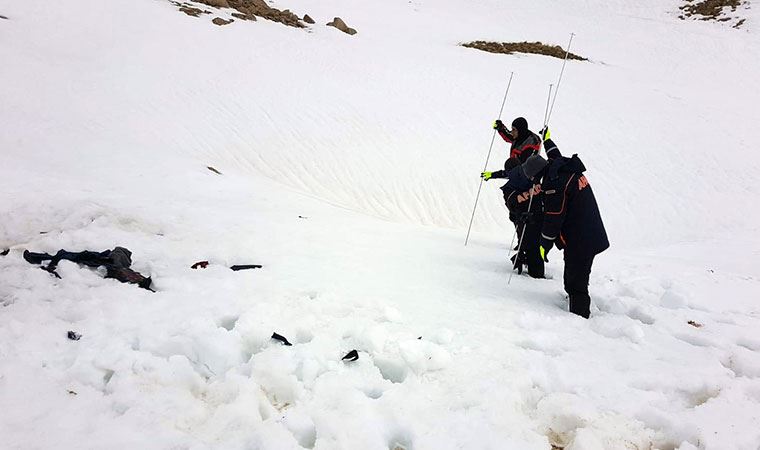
[(571, 217)]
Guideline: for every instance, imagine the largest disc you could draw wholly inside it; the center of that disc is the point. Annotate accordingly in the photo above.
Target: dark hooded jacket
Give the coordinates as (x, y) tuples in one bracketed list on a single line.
[(571, 217), (517, 195), (526, 144)]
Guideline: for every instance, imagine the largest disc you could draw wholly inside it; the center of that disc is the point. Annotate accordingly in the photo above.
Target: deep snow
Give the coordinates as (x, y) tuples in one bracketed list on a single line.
[(111, 112)]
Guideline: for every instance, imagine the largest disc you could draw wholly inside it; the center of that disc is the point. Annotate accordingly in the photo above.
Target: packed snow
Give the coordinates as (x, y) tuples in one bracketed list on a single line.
[(348, 168)]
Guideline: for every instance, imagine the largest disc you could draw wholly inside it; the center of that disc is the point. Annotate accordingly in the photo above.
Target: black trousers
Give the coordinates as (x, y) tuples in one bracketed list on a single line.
[(577, 273), (530, 251)]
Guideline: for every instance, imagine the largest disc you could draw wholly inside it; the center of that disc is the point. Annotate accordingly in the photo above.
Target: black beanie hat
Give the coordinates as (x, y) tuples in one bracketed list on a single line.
[(521, 125)]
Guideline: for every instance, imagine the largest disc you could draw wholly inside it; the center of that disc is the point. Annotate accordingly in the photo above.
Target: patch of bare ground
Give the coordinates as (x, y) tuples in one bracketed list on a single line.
[(537, 48), (243, 10), (715, 10)]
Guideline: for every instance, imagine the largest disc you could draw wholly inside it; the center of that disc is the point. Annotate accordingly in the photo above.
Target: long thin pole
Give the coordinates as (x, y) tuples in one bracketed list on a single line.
[(530, 202), (488, 156), (561, 72)]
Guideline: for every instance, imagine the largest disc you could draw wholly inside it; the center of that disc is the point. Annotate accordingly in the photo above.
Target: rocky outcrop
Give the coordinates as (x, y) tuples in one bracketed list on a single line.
[(341, 25)]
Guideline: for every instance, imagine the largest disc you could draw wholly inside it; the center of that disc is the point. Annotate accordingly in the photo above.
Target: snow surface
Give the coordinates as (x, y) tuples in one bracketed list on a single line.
[(350, 165)]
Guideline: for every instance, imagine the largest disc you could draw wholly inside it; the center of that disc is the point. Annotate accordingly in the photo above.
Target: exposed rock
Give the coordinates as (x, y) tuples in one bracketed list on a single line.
[(219, 21), (215, 3), (261, 9), (308, 19), (242, 16), (508, 48), (3, 17), (341, 25)]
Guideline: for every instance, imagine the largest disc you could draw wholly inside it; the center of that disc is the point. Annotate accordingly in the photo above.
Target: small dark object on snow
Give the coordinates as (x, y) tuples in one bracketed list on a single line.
[(419, 338), (280, 338), (302, 217), (3, 17), (695, 324), (200, 264), (5, 252), (116, 262), (308, 19), (353, 355), (214, 170), (72, 392), (74, 336), (245, 267)]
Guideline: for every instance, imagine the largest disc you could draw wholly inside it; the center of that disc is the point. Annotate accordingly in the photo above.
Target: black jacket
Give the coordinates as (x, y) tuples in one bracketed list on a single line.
[(525, 146), (571, 217), (517, 197)]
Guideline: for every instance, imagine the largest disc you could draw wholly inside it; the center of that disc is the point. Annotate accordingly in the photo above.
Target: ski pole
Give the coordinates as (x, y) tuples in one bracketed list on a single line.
[(561, 72), (530, 202), (488, 156)]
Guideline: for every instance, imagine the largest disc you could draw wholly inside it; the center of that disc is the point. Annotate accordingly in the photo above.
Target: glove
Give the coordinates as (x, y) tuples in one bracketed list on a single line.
[(546, 134), (499, 125), (546, 245), (486, 175)]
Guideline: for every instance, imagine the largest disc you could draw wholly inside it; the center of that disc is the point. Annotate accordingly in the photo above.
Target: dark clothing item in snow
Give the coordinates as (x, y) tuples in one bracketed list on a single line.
[(571, 219), (576, 276), (116, 262)]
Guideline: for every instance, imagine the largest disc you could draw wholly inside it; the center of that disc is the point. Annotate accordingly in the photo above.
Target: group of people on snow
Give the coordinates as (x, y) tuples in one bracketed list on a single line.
[(550, 202)]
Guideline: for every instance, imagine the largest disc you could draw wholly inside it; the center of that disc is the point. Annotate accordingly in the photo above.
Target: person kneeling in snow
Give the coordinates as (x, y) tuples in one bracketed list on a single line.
[(571, 219)]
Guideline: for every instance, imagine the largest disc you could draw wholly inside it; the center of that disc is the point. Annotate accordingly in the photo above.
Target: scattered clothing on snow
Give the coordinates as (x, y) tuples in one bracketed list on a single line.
[(353, 355), (204, 264), (281, 338), (116, 262), (246, 267), (74, 336)]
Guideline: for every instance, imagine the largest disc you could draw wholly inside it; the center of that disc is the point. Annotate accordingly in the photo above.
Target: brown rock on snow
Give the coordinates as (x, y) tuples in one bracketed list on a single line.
[(308, 19), (216, 3), (219, 21), (341, 25)]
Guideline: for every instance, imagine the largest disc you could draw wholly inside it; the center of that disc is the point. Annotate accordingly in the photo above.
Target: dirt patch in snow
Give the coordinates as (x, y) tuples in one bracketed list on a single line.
[(715, 10), (537, 48), (242, 9)]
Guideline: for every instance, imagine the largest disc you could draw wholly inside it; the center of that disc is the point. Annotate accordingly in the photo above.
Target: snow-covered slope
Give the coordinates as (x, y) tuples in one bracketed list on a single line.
[(350, 164)]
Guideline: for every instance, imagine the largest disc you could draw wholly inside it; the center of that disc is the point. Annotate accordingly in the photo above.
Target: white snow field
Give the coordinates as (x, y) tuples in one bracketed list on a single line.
[(349, 170)]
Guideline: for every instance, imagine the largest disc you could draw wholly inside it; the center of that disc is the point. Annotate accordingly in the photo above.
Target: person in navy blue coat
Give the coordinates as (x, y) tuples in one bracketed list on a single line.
[(571, 220)]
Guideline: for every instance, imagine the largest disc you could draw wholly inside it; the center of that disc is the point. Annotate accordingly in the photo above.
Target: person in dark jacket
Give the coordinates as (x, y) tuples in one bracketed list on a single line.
[(571, 220), (527, 216), (524, 143)]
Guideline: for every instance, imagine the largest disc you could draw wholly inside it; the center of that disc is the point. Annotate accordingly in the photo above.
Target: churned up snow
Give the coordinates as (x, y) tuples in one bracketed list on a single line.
[(348, 169)]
